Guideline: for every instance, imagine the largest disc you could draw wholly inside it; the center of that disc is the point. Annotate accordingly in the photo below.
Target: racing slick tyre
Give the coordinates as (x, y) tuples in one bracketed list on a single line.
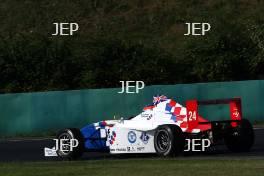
[(240, 138), (66, 152), (168, 140)]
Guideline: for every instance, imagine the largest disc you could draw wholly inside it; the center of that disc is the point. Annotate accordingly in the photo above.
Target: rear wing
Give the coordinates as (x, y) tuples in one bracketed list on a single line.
[(192, 110)]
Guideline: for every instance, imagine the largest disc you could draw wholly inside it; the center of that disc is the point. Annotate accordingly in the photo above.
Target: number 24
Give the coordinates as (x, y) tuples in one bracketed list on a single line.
[(192, 115)]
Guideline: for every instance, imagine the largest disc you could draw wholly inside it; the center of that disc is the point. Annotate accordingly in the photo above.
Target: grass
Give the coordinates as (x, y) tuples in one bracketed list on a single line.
[(139, 167)]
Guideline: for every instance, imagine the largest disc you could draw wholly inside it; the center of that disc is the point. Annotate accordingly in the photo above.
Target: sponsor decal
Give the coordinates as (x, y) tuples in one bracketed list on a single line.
[(144, 137), (132, 137), (140, 149), (50, 152), (149, 117), (121, 149), (146, 115), (130, 149)]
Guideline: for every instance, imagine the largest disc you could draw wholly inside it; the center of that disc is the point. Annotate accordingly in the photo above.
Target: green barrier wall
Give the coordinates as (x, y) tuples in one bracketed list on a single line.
[(25, 113)]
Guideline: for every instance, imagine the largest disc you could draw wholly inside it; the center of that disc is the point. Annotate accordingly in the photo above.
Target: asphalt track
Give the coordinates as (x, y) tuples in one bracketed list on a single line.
[(33, 150)]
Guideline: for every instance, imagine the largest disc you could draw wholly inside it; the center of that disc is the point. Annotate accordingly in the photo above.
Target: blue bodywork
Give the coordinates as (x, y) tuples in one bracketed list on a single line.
[(92, 137)]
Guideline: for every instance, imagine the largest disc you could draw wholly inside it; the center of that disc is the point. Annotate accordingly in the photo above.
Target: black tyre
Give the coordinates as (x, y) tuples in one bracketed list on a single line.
[(240, 138), (70, 133), (168, 140)]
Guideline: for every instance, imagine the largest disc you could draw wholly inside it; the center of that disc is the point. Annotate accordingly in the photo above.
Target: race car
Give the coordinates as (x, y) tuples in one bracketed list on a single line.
[(162, 128)]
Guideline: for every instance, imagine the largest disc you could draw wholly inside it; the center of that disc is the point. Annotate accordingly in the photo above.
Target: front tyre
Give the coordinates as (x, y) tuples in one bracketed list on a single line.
[(65, 136), (168, 140)]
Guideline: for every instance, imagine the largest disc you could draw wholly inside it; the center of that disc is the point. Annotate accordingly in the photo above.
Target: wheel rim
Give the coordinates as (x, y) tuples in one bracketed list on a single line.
[(163, 140), (65, 148)]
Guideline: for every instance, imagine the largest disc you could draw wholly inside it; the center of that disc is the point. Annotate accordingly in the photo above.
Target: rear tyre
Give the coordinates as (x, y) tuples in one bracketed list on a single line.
[(240, 138), (70, 133), (168, 140)]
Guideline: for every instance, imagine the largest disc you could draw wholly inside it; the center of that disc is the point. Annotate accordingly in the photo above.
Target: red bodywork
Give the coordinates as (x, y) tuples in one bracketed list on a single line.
[(195, 121)]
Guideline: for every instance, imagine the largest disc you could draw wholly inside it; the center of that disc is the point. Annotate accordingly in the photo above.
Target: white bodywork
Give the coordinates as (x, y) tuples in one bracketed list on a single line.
[(137, 135)]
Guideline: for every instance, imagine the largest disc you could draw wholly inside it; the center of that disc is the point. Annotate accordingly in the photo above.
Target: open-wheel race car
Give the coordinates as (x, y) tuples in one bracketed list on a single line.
[(161, 128)]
